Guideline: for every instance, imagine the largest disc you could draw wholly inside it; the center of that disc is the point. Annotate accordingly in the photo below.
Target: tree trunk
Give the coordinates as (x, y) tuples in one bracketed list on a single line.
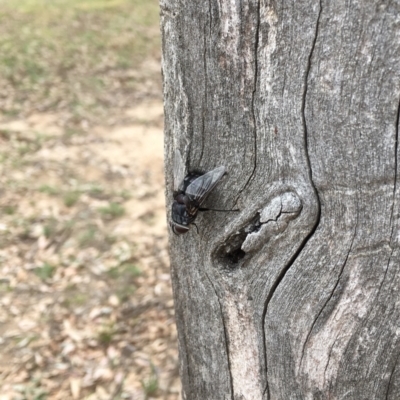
[(295, 296)]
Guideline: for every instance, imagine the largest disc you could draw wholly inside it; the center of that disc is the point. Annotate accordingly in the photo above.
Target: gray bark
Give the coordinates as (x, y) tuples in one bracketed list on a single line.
[(300, 101)]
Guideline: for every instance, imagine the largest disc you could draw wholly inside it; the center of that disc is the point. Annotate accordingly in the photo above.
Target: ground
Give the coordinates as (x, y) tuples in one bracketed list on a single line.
[(86, 308)]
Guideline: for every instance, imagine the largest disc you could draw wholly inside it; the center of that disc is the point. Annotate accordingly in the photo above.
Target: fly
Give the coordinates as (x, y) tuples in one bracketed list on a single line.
[(190, 192)]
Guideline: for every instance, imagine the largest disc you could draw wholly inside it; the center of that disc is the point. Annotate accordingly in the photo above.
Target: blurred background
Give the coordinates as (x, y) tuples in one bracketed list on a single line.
[(86, 308)]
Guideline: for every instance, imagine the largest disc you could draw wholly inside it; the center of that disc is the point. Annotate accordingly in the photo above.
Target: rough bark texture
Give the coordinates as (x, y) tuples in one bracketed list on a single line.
[(297, 295)]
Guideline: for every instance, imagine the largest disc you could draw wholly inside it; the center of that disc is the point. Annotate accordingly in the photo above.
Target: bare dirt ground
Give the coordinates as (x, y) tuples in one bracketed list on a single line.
[(86, 309)]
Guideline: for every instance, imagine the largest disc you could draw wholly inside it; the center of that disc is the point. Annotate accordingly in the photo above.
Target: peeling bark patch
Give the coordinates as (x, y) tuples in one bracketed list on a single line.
[(271, 220), (274, 219)]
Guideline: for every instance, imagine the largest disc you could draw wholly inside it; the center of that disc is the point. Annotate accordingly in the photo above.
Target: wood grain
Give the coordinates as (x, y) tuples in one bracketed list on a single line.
[(295, 296)]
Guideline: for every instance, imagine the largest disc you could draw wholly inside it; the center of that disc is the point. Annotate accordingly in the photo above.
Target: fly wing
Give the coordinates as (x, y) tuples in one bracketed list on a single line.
[(201, 187), (179, 171)]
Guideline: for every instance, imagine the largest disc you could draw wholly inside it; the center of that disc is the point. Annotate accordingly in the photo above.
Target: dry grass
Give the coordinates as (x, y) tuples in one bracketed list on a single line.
[(85, 301), (84, 57)]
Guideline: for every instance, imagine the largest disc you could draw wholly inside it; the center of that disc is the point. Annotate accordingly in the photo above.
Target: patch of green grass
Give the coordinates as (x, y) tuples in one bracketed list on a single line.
[(5, 134), (5, 286), (50, 227), (17, 163), (11, 112), (23, 149), (87, 237), (51, 190), (125, 291), (74, 296), (25, 145), (131, 270), (32, 390), (48, 231), (46, 271), (127, 271), (70, 198), (4, 157), (150, 385), (125, 194), (9, 209), (110, 239), (39, 140), (113, 210), (75, 300), (61, 51), (25, 341), (124, 276), (79, 299), (105, 336), (92, 236), (96, 191), (71, 132)]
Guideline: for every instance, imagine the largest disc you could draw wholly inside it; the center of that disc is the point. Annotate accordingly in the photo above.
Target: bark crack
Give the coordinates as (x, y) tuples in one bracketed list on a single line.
[(391, 377), (205, 88), (226, 344), (303, 106), (257, 39), (311, 234), (331, 294), (395, 160), (254, 92), (394, 197), (225, 334), (329, 356), (273, 290), (393, 204)]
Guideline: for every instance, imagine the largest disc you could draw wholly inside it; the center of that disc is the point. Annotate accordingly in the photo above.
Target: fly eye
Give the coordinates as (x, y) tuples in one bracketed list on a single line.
[(179, 229)]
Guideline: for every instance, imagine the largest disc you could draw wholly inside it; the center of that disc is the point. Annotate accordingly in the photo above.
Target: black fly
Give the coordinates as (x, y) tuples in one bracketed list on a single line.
[(190, 192)]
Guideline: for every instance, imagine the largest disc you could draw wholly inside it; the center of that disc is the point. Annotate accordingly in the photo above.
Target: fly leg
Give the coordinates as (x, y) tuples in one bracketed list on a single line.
[(213, 209)]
